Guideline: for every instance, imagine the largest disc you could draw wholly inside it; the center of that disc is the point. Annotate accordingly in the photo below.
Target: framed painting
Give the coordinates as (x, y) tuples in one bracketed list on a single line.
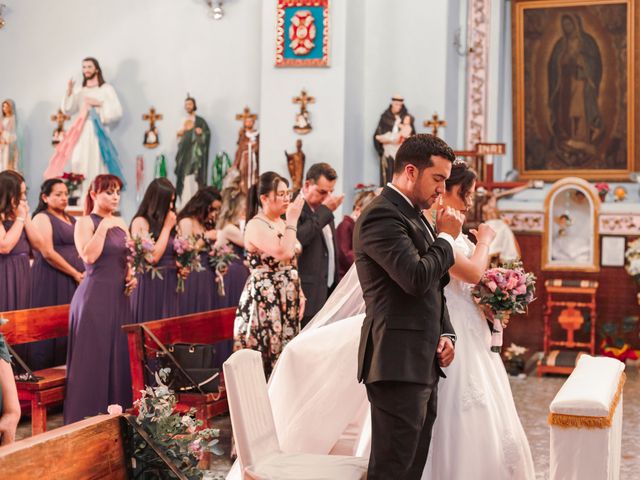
[(302, 33), (574, 109)]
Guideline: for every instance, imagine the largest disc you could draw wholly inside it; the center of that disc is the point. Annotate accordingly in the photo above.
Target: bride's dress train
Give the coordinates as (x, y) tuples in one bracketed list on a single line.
[(319, 406)]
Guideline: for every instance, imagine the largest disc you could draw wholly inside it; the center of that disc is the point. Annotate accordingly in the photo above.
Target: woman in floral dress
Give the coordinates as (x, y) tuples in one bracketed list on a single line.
[(272, 303)]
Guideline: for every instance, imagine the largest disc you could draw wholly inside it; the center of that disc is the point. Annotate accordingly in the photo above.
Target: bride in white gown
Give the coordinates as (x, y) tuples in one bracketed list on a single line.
[(319, 406)]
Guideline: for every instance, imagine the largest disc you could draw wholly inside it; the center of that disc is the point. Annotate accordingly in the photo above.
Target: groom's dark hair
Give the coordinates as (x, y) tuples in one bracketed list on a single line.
[(418, 150)]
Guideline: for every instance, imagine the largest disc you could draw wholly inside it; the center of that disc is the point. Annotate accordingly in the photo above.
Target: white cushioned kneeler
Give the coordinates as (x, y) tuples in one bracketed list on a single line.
[(586, 422)]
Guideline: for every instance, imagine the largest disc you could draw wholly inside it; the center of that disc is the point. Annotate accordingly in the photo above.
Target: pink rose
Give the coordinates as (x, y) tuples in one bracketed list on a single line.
[(491, 285), (520, 289)]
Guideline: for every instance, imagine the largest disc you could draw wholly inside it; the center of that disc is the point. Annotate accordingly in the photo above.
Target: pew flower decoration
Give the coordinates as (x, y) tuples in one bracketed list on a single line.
[(178, 434), (220, 257), (187, 253), (501, 292), (140, 257)]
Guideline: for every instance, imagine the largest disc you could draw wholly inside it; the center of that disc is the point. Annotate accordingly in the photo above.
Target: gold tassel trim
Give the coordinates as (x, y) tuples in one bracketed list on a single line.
[(581, 421)]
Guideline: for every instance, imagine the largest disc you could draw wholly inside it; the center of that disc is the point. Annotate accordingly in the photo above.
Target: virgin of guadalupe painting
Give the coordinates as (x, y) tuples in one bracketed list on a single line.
[(574, 87)]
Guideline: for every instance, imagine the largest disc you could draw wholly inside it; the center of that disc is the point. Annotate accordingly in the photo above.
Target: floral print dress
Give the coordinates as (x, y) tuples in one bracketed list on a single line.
[(267, 316)]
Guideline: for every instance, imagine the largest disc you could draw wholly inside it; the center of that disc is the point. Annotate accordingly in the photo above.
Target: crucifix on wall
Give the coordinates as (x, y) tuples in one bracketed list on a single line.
[(151, 136), (435, 123), (303, 125), (58, 134)]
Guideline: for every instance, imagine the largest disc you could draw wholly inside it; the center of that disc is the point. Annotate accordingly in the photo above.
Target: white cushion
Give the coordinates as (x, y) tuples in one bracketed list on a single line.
[(590, 389), (307, 466)]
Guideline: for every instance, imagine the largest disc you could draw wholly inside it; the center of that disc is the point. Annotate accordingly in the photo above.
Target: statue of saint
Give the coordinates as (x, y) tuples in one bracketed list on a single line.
[(295, 163), (247, 156), (9, 154), (192, 159), (390, 122), (87, 144)]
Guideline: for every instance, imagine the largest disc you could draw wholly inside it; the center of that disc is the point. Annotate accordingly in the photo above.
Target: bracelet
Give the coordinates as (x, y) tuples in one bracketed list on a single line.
[(20, 219), (291, 227)]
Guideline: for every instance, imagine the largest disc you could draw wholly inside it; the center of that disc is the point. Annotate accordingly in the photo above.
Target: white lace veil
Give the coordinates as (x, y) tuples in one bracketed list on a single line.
[(345, 301)]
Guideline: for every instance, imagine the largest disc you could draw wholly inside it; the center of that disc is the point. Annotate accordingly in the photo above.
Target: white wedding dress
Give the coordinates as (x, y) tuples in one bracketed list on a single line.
[(319, 406)]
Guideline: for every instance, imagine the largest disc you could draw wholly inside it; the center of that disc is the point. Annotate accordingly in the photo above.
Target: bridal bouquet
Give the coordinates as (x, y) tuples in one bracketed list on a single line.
[(220, 258), (501, 292), (140, 256), (187, 253)]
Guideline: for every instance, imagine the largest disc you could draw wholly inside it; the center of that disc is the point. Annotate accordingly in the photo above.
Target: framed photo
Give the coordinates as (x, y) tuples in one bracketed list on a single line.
[(613, 249), (302, 33), (574, 70)]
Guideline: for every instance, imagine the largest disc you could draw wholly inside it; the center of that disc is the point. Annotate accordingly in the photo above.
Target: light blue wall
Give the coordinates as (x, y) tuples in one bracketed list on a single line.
[(152, 51)]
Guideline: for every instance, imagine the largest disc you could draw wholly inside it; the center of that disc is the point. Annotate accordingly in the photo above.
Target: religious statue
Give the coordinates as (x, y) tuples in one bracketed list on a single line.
[(151, 136), (574, 75), (303, 124), (9, 154), (192, 159), (295, 163), (391, 142), (434, 124), (87, 144), (247, 156), (390, 121), (58, 134)]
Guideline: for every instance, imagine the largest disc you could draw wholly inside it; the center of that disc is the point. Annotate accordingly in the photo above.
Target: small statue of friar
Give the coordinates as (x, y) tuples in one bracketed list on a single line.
[(192, 159), (247, 156), (295, 164), (390, 122)]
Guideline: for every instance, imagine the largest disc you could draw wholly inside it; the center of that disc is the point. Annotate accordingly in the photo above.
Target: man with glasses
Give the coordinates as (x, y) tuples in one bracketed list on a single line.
[(318, 262)]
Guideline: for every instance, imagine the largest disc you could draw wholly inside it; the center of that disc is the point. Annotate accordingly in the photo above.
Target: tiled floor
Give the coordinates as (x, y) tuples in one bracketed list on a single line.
[(532, 396)]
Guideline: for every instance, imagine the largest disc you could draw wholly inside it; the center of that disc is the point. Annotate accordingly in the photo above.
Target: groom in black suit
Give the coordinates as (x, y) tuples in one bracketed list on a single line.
[(406, 336)]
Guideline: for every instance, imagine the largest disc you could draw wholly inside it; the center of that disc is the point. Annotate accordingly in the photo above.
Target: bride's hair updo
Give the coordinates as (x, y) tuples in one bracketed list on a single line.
[(461, 175)]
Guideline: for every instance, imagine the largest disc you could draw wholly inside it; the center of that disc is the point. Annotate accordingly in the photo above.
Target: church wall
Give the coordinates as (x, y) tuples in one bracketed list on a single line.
[(152, 51)]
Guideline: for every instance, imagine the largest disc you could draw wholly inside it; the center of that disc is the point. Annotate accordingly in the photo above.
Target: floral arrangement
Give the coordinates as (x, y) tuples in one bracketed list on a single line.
[(179, 435), (502, 291), (514, 359), (72, 181), (602, 188), (514, 351), (187, 252), (632, 255), (140, 257), (220, 258)]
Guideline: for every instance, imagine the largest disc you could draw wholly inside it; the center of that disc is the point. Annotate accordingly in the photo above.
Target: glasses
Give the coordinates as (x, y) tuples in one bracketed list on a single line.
[(285, 194)]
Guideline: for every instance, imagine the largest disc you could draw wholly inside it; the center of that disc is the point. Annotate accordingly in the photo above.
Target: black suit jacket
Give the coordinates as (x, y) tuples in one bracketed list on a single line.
[(403, 274), (313, 262)]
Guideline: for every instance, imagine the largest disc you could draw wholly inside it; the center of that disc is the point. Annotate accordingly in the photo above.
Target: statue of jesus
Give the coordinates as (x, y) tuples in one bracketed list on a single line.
[(87, 147)]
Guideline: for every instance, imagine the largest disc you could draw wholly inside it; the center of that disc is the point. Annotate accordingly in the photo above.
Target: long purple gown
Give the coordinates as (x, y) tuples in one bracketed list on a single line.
[(15, 280), (98, 372), (200, 290), (15, 274), (156, 298), (50, 286)]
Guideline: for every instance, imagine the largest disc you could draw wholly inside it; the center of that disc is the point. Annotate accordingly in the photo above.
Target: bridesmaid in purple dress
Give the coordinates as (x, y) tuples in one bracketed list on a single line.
[(98, 372), (200, 291), (17, 235), (156, 298), (232, 218), (57, 269)]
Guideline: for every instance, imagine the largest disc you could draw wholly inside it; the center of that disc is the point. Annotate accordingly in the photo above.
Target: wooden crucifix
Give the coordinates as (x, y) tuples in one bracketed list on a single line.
[(435, 123), (58, 134), (151, 136), (247, 116), (303, 124)]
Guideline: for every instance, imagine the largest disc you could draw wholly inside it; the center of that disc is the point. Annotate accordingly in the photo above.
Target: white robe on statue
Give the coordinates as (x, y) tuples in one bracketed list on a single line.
[(86, 158)]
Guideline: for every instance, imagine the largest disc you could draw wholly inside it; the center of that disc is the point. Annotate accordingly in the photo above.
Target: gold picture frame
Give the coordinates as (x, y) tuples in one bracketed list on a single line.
[(574, 108)]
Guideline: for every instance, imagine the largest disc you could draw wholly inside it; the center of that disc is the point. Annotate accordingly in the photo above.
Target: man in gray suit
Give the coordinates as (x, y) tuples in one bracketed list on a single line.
[(407, 336)]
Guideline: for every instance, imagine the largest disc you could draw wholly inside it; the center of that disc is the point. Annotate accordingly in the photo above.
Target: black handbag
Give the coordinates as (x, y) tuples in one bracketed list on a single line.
[(191, 365)]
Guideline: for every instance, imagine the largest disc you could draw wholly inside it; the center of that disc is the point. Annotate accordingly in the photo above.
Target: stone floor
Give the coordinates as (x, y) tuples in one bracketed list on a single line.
[(532, 396)]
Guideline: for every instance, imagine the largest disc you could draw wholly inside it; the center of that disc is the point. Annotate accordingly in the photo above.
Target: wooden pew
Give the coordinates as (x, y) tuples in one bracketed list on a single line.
[(32, 325), (92, 448), (205, 327)]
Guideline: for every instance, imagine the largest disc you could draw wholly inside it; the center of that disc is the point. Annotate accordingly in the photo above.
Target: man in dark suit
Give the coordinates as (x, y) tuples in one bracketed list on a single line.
[(406, 337), (318, 262)]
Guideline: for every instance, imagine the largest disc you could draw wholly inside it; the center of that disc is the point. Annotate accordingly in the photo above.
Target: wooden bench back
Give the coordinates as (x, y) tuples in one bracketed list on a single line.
[(92, 448), (204, 327), (35, 324)]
